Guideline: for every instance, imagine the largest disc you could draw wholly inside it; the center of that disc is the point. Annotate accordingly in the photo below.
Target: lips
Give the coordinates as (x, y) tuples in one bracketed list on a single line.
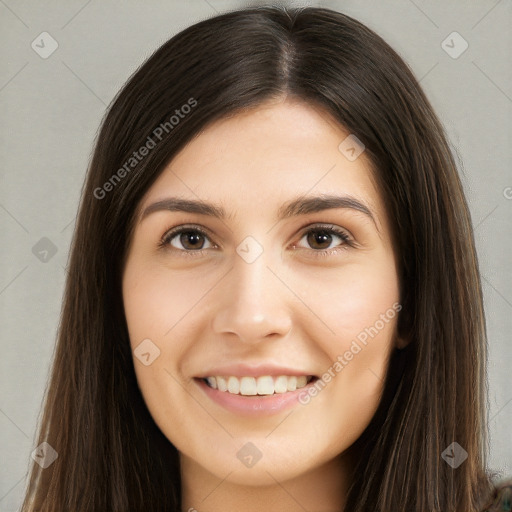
[(253, 405)]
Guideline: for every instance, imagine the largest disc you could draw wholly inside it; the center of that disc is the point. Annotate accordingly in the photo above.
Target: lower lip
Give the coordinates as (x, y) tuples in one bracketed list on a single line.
[(254, 404)]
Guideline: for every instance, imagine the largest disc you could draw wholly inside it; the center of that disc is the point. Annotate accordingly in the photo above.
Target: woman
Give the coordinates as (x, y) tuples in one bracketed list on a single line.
[(273, 299)]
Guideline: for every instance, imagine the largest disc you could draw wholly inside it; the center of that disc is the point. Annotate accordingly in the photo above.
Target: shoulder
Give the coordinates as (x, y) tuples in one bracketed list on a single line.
[(501, 499)]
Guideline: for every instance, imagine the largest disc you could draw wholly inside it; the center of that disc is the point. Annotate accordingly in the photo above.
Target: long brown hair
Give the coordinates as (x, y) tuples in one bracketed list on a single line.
[(111, 454)]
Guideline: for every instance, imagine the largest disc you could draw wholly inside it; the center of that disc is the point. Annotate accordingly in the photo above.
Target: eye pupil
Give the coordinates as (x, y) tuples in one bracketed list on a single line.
[(319, 237), (194, 237)]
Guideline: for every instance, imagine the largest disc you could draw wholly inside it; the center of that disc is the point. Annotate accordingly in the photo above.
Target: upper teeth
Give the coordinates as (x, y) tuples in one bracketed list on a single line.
[(265, 385)]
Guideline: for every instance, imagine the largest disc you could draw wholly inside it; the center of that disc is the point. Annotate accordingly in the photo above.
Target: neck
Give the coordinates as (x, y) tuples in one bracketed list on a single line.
[(321, 489)]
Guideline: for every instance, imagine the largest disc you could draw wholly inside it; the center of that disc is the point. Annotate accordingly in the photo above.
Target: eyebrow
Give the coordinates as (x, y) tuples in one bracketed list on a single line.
[(301, 205)]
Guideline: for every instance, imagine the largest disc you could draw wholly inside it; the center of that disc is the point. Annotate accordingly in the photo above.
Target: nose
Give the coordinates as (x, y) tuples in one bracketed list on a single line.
[(253, 303)]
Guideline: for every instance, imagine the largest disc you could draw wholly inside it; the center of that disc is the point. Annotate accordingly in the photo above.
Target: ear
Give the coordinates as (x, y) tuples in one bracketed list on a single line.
[(402, 342)]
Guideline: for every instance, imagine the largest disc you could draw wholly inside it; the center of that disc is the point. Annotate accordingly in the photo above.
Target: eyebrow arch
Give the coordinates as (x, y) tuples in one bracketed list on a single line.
[(301, 205)]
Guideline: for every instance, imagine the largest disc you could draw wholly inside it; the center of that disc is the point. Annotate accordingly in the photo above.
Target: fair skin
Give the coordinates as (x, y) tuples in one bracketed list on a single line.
[(287, 308)]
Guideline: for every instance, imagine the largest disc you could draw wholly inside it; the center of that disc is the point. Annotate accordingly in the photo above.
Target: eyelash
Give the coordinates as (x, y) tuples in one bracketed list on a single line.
[(164, 243)]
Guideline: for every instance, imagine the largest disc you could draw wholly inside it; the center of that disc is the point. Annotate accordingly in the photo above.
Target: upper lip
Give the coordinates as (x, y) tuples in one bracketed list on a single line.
[(256, 370)]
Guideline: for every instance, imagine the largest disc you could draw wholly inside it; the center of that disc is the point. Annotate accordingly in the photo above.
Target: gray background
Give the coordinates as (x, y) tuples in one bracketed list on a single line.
[(51, 109)]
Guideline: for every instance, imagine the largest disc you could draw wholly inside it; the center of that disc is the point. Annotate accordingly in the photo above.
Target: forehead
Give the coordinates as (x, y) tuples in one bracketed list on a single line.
[(262, 157)]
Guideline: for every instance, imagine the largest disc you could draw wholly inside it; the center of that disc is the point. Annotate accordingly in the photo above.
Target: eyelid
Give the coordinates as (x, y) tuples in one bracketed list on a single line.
[(319, 226), (344, 234)]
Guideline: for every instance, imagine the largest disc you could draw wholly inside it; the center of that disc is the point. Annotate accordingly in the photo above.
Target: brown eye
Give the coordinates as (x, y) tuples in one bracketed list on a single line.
[(191, 240), (186, 239), (321, 238)]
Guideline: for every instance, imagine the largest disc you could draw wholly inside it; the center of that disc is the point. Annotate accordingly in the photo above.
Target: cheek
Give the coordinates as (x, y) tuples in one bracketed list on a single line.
[(357, 301), (155, 309), (359, 306), (156, 301), (159, 306), (152, 306)]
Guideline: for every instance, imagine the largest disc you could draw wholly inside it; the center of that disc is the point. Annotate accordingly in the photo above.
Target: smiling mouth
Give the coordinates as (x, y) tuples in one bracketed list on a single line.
[(258, 386)]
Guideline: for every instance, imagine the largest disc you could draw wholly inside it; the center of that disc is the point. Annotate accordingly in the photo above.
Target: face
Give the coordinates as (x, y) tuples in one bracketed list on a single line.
[(261, 326)]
